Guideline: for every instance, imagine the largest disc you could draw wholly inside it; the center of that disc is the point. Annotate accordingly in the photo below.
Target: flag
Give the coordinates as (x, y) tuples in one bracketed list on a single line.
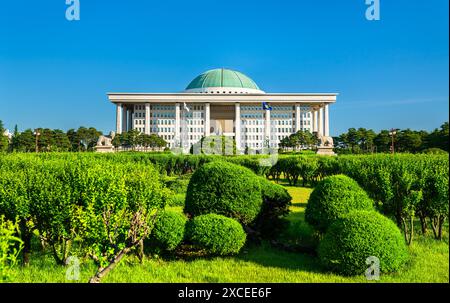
[(266, 106), (186, 108)]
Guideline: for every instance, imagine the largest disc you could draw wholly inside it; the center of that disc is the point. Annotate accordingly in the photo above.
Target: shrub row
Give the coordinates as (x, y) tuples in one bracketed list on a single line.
[(404, 187), (107, 206)]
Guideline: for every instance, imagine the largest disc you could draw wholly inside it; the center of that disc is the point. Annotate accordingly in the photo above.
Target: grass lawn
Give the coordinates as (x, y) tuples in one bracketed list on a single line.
[(429, 263)]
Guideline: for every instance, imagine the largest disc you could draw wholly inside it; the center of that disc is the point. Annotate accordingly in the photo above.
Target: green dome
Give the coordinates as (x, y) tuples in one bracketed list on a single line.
[(221, 77)]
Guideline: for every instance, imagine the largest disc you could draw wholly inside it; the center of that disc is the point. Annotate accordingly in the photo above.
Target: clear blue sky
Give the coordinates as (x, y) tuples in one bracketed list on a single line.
[(389, 73)]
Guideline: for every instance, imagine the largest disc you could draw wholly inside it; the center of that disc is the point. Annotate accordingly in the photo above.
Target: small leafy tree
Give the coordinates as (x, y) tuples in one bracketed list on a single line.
[(52, 207), (435, 203), (15, 203), (10, 246), (120, 204)]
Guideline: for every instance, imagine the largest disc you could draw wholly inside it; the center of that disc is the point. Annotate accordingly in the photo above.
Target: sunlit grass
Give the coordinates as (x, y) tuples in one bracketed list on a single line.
[(263, 263)]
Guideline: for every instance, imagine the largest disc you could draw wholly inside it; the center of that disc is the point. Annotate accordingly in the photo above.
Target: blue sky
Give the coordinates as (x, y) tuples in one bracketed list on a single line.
[(389, 73)]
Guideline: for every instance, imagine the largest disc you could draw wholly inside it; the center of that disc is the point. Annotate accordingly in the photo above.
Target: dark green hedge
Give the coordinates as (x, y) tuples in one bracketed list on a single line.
[(276, 202), (351, 239), (224, 188), (168, 231)]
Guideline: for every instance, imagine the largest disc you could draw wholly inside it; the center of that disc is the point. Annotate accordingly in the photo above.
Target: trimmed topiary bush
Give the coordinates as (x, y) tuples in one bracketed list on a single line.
[(360, 234), (224, 188), (168, 231), (276, 202), (333, 197), (216, 234)]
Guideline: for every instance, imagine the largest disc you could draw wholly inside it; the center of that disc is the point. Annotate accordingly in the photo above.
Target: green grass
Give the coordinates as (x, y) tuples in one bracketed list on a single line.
[(429, 262)]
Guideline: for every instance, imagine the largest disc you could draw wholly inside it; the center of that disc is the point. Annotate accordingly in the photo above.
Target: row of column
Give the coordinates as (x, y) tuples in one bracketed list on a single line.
[(320, 120), (124, 118)]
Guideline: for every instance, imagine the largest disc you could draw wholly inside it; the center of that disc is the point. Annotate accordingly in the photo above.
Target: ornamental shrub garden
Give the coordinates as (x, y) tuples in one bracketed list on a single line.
[(223, 218)]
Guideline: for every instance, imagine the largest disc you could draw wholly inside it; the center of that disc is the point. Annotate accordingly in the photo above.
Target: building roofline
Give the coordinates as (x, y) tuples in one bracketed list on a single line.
[(212, 94), (311, 98)]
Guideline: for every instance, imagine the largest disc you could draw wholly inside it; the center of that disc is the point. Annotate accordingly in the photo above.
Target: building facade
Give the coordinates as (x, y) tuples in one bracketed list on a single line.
[(223, 102)]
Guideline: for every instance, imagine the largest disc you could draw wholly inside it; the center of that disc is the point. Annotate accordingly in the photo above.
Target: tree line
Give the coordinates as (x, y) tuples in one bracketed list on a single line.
[(49, 140), (354, 141), (361, 140), (133, 138), (74, 140)]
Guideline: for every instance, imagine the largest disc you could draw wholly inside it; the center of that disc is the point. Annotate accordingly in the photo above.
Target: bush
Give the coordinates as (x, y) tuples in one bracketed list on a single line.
[(333, 197), (178, 185), (216, 234), (117, 211), (176, 200), (435, 151), (351, 239), (168, 231), (10, 247), (401, 185), (276, 202), (226, 189)]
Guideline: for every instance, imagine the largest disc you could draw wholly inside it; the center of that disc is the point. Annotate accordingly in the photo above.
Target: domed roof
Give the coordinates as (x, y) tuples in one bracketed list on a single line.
[(223, 81)]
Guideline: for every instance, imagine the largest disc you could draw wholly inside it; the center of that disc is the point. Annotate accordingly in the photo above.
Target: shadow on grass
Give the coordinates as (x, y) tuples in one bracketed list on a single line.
[(263, 254), (269, 256)]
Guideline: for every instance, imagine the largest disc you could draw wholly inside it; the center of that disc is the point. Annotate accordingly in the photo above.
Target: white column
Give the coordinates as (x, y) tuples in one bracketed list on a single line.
[(327, 121), (320, 122), (314, 120), (129, 119), (207, 119), (124, 118), (177, 122), (297, 117), (267, 127), (119, 118), (237, 125), (147, 118)]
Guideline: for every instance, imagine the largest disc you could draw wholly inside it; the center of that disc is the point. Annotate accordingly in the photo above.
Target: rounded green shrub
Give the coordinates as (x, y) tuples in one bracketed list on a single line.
[(333, 197), (360, 234), (226, 189), (168, 231), (216, 234), (434, 151)]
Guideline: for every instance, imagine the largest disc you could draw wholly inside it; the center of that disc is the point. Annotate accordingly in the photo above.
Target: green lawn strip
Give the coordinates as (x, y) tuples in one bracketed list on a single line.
[(429, 262)]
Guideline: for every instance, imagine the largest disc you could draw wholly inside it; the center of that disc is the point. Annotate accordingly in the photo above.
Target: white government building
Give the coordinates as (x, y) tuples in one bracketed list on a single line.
[(223, 102)]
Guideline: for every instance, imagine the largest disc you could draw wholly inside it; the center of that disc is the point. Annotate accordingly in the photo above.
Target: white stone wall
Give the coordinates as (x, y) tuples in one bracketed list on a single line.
[(252, 126), (193, 122)]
